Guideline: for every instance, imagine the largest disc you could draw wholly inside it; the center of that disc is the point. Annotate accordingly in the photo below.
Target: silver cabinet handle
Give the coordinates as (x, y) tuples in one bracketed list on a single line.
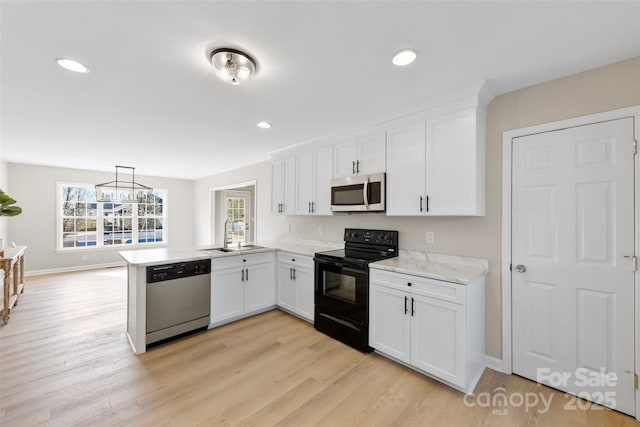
[(294, 274), (357, 166), (353, 167), (246, 275), (413, 311), (427, 203), (243, 274), (421, 203), (521, 268), (405, 304), (290, 273)]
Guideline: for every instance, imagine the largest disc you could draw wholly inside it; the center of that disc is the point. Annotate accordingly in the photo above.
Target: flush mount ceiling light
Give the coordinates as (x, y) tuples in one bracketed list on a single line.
[(232, 65), (404, 57), (72, 65), (263, 125)]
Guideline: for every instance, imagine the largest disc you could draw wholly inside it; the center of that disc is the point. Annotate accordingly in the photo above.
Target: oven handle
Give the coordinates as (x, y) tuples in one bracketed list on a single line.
[(347, 267)]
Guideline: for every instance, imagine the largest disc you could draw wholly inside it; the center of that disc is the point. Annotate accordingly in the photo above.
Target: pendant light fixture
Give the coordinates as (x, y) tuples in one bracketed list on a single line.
[(121, 190), (232, 65)]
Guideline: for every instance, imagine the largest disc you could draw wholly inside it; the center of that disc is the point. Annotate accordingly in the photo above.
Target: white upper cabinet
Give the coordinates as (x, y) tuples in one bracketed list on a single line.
[(435, 166), (406, 168), (313, 177), (283, 188), (360, 156)]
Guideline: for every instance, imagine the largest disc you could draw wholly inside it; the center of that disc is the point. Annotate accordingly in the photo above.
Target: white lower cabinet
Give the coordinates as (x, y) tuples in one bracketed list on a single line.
[(241, 285), (295, 284), (433, 326)]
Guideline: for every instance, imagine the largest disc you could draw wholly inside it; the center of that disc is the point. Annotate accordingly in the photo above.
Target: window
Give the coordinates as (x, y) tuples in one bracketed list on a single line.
[(237, 208), (83, 222)]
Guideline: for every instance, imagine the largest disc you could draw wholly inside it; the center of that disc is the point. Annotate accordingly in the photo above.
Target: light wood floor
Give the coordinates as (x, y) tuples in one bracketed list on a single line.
[(65, 360)]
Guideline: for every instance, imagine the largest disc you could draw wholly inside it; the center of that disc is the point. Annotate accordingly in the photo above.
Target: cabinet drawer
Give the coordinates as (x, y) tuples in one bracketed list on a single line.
[(442, 290), (240, 260), (294, 259)]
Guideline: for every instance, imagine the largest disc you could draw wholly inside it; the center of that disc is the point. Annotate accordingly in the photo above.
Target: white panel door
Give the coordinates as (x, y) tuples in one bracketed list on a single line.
[(390, 322), (406, 169), (372, 154), (437, 338), (573, 225)]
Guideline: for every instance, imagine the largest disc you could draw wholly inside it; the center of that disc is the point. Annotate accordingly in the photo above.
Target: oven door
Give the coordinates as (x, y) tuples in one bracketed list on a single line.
[(342, 289), (364, 193)]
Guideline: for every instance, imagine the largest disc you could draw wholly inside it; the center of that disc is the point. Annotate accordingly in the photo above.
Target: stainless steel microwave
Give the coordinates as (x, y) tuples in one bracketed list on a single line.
[(361, 193)]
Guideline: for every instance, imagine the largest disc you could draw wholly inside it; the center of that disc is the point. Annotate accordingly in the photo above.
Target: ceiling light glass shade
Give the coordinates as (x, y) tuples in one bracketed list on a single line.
[(232, 66), (263, 125), (404, 57), (72, 65)]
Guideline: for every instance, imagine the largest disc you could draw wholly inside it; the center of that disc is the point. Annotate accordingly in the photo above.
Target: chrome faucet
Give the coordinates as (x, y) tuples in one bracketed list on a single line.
[(226, 233)]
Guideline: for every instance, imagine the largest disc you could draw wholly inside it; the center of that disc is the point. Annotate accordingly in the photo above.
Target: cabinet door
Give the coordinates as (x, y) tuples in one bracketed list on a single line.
[(227, 294), (289, 190), (277, 174), (322, 184), (259, 287), (389, 325), (344, 157), (372, 153), (451, 168), (286, 290), (437, 339), (406, 169), (304, 183), (305, 302)]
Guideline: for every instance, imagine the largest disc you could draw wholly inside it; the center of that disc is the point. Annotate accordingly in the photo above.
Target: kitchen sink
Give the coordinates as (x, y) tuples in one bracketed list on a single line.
[(234, 248)]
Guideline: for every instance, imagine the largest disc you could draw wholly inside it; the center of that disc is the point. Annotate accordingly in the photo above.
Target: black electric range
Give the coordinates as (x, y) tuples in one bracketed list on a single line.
[(342, 284)]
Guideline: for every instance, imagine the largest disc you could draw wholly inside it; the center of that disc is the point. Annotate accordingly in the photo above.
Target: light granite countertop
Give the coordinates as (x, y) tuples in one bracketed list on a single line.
[(144, 257), (450, 268)]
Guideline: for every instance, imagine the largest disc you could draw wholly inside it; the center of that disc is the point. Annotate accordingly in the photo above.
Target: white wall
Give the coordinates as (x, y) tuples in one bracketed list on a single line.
[(34, 187), (266, 226)]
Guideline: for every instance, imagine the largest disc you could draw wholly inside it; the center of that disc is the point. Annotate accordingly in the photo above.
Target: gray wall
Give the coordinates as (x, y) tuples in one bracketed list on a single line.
[(35, 189), (607, 88)]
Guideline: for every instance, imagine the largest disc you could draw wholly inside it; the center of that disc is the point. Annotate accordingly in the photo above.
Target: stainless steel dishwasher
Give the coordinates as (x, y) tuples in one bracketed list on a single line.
[(178, 298)]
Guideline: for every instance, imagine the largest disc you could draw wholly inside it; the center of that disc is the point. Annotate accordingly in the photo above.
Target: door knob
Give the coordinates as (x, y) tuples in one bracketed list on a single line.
[(521, 268)]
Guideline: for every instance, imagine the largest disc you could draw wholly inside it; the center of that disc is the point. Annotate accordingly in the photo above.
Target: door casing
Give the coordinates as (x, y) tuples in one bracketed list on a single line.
[(507, 138)]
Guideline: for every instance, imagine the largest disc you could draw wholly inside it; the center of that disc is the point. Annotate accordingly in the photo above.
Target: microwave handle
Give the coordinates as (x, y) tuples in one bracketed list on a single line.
[(365, 193)]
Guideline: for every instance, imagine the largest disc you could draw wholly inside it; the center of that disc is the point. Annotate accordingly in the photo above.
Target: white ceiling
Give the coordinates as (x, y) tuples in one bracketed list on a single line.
[(152, 101)]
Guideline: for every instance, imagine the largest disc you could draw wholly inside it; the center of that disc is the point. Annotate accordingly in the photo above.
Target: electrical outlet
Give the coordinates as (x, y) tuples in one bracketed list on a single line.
[(84, 257), (430, 237), (320, 230)]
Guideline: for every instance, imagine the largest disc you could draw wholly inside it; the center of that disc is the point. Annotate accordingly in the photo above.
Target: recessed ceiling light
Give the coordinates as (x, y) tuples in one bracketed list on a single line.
[(72, 65), (404, 57), (263, 125)]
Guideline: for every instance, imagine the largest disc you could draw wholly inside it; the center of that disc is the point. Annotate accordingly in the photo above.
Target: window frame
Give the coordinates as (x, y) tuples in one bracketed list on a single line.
[(100, 217)]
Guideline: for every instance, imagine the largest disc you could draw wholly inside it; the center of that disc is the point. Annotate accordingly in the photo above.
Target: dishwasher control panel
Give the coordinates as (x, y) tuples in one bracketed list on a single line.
[(160, 273)]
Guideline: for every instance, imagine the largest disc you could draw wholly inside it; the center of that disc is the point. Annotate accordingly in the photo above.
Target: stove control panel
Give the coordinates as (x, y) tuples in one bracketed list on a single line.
[(373, 237)]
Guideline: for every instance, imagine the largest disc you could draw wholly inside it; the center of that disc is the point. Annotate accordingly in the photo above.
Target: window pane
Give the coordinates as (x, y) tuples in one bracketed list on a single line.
[(68, 240), (68, 209), (68, 225)]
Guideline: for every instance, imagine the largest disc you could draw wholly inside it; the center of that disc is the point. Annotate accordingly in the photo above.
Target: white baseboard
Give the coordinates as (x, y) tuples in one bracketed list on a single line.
[(74, 268), (493, 363)]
